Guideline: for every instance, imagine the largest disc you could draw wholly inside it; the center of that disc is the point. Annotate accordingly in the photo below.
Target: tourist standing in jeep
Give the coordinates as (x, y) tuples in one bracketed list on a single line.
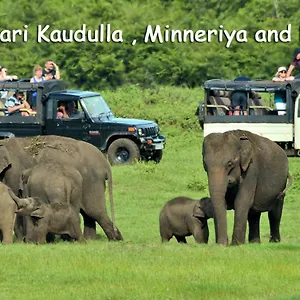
[(295, 62), (51, 70)]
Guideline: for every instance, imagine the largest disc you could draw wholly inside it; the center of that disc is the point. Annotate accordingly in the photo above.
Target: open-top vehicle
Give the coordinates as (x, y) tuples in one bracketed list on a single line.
[(124, 140), (215, 113)]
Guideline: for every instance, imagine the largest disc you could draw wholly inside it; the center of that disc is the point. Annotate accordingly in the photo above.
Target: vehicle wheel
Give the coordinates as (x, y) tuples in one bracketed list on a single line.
[(123, 151), (157, 156)]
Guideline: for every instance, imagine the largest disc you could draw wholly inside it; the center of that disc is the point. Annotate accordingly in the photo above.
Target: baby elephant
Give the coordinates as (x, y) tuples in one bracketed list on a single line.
[(9, 205), (56, 218), (183, 217)]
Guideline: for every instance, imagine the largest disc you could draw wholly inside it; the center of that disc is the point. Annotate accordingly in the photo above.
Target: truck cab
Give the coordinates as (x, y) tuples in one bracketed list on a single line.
[(88, 118), (215, 112)]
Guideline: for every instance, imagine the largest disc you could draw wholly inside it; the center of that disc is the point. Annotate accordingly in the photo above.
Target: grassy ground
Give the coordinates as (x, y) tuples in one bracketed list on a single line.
[(141, 267)]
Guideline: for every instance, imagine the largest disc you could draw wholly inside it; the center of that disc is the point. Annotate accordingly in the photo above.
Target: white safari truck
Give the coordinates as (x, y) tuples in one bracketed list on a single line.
[(215, 113)]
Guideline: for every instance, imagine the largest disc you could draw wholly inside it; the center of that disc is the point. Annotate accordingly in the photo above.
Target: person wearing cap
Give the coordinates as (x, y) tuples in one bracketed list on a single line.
[(4, 76), (295, 62), (279, 96), (14, 103), (281, 75)]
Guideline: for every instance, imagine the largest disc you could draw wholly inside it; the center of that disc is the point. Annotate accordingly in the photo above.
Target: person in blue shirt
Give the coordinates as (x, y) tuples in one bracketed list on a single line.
[(37, 77), (14, 103)]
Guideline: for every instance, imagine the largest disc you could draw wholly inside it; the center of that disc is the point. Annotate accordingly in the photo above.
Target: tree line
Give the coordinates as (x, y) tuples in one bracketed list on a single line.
[(107, 65)]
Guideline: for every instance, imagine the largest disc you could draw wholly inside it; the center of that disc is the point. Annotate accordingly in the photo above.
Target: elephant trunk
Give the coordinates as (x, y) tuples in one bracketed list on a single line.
[(19, 201), (217, 182)]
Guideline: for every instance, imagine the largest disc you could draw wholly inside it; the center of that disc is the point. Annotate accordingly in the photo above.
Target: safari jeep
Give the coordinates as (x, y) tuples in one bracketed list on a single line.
[(215, 113), (124, 140)]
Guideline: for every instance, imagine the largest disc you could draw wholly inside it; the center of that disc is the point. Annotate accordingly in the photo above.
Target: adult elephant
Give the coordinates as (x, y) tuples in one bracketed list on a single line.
[(247, 173), (19, 154)]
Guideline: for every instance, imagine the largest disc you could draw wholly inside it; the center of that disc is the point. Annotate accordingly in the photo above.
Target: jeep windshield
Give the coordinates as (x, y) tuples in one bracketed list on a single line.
[(97, 108)]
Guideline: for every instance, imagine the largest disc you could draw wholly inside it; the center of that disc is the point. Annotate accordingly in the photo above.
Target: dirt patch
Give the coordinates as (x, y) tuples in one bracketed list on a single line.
[(38, 143), (35, 145)]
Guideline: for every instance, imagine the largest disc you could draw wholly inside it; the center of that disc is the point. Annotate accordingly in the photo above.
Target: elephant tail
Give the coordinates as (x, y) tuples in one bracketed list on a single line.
[(111, 200), (289, 183)]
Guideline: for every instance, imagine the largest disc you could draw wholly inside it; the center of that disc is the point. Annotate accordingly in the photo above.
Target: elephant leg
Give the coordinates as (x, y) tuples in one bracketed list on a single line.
[(164, 229), (19, 229), (166, 234), (7, 232), (66, 238), (42, 239), (165, 238), (89, 226), (274, 221), (7, 225), (200, 232), (94, 206), (242, 204), (106, 224), (50, 238), (180, 239), (254, 231), (240, 224), (76, 232), (7, 236), (31, 231)]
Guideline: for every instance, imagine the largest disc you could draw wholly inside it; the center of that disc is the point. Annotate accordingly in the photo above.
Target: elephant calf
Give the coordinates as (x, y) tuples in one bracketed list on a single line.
[(52, 183), (56, 218), (183, 217), (9, 205)]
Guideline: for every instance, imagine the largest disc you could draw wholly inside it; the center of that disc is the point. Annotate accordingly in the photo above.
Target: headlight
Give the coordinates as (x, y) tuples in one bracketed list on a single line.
[(140, 131)]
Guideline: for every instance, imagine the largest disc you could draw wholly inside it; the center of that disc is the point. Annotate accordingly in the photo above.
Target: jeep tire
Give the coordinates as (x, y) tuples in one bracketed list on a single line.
[(123, 151)]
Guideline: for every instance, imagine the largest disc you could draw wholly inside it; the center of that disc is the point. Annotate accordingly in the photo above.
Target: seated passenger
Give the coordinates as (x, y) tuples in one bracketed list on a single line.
[(72, 111), (61, 111), (15, 103), (279, 96)]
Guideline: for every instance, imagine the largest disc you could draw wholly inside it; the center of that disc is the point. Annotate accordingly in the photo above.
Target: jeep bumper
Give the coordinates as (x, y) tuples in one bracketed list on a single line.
[(153, 144)]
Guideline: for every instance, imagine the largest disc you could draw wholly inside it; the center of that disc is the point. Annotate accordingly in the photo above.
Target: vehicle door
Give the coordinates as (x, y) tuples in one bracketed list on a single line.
[(76, 126)]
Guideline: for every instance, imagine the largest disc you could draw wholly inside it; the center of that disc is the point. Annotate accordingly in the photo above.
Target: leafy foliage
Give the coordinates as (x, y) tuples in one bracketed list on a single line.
[(108, 65)]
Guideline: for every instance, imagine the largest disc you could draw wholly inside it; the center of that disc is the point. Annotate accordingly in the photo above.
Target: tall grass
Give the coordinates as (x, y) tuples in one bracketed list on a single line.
[(141, 267)]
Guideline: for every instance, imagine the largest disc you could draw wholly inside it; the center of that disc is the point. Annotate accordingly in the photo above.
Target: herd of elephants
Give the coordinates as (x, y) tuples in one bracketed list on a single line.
[(48, 181)]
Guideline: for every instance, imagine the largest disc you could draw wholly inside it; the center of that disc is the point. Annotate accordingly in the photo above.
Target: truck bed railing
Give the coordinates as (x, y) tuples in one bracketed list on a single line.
[(249, 107)]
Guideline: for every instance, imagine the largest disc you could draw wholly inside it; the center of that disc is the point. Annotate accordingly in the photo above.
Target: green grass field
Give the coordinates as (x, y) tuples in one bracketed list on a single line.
[(141, 267)]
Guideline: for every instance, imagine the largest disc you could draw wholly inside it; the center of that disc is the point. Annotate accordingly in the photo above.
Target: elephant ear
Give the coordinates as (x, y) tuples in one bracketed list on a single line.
[(38, 213), (198, 211), (5, 159), (246, 152)]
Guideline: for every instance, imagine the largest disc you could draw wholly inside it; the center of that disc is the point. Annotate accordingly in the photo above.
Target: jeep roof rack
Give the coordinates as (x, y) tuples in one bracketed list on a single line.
[(20, 85), (253, 85)]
